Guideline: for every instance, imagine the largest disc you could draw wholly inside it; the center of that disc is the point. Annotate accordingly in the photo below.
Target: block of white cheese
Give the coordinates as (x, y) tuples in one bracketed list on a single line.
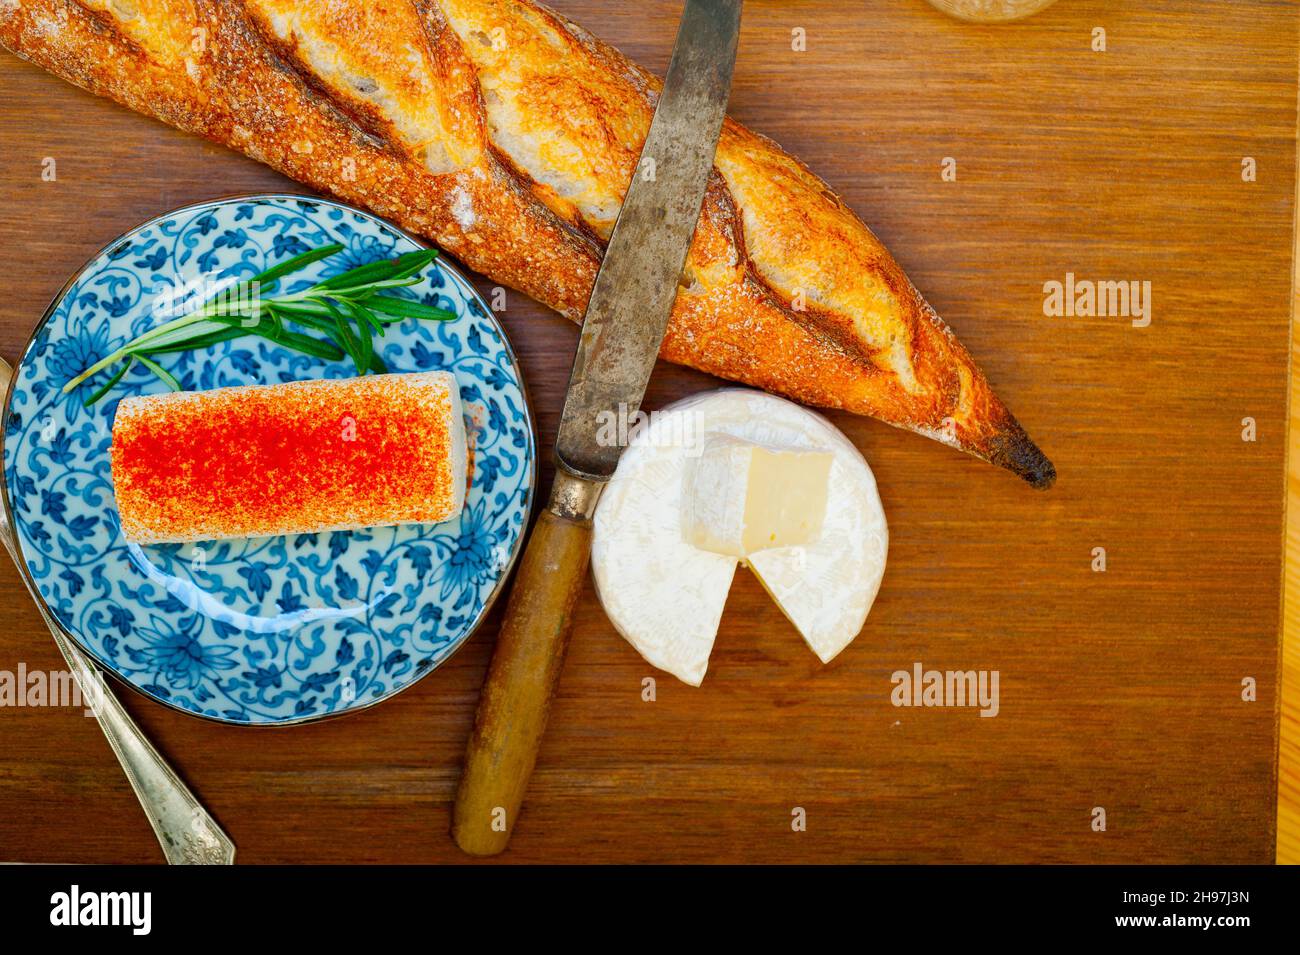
[(666, 595), (740, 497)]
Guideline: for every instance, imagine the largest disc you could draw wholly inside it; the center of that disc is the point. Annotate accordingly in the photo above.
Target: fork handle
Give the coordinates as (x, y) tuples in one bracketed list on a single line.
[(187, 833)]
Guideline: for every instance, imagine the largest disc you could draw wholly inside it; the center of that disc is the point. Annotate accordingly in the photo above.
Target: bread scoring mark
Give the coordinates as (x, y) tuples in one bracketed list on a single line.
[(807, 244), (101, 21), (161, 28), (372, 60), (579, 158), (569, 134)]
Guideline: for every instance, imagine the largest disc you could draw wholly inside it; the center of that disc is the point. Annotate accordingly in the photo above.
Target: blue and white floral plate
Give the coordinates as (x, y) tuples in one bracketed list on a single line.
[(270, 630)]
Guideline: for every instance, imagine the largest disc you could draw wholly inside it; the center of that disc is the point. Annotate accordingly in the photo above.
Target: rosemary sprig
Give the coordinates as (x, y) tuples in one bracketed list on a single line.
[(348, 308)]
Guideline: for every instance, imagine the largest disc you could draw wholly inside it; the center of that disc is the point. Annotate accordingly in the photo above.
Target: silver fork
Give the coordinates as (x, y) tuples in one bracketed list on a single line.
[(187, 833)]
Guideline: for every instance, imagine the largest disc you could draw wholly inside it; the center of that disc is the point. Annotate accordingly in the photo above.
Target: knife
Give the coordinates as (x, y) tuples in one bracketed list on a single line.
[(627, 315)]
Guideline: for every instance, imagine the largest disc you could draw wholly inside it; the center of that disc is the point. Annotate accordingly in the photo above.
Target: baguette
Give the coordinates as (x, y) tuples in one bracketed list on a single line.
[(507, 135)]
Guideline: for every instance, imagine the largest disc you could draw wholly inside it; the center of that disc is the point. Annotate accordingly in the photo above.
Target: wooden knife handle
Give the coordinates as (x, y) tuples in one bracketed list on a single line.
[(525, 669)]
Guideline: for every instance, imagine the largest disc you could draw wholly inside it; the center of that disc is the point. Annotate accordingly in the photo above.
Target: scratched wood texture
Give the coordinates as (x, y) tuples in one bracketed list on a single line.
[(1119, 690)]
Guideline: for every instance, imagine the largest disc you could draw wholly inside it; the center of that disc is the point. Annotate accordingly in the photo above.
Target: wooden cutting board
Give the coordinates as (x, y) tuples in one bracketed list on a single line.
[(1119, 689)]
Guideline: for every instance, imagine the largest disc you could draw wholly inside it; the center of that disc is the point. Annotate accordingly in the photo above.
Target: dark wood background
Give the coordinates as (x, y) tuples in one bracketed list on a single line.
[(1119, 689)]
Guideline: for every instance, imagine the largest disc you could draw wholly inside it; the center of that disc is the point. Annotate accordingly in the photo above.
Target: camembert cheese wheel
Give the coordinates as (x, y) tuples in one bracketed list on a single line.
[(698, 492)]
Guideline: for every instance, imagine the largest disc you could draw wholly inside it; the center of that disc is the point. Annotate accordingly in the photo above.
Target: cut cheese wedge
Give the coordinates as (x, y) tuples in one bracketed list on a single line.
[(741, 497), (665, 595)]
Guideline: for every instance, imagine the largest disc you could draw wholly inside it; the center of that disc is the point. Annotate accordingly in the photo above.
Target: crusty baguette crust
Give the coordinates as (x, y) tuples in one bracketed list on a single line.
[(507, 135)]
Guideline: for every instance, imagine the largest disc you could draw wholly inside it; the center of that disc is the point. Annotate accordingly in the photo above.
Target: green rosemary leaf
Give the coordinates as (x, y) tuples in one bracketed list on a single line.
[(361, 275), (325, 325), (108, 385), (167, 377), (197, 342), (407, 308), (296, 308), (241, 322), (180, 336), (300, 261), (319, 308), (309, 346), (402, 267), (365, 337), (274, 332), (415, 262), (346, 340), (371, 287), (363, 316)]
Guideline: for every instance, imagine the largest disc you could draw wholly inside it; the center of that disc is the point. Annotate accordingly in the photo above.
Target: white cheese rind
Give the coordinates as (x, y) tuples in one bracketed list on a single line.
[(713, 496), (666, 597), (459, 445), (662, 595)]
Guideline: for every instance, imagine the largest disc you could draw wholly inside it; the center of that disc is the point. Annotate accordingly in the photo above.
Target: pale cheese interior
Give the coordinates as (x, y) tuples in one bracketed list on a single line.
[(741, 497)]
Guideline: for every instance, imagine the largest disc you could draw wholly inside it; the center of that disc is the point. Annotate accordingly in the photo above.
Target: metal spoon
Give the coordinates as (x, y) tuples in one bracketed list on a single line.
[(188, 835)]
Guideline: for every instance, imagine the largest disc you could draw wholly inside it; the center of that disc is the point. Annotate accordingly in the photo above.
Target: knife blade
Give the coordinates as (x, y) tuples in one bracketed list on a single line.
[(626, 318), (632, 299)]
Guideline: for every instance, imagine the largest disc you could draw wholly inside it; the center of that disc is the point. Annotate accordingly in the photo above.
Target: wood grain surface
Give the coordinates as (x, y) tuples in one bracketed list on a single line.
[(1120, 690), (1288, 759)]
